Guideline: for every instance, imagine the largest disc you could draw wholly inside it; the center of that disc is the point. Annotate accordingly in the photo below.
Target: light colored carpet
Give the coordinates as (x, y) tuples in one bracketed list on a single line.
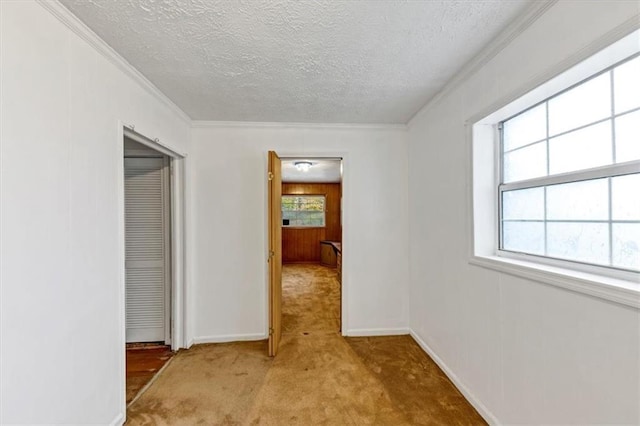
[(318, 377)]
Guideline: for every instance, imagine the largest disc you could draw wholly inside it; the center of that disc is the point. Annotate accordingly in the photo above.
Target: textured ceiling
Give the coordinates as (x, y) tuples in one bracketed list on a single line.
[(325, 170), (298, 61)]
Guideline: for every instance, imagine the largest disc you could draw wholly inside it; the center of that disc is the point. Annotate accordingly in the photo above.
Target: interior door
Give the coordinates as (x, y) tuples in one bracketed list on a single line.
[(147, 245), (275, 252)]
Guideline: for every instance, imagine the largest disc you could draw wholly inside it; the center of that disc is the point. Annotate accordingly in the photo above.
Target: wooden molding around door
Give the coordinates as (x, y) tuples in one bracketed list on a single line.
[(275, 252)]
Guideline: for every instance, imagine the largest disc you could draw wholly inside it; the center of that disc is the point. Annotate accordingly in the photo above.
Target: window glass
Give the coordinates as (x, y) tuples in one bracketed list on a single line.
[(626, 245), (580, 241), (627, 86), (523, 204), (570, 184), (528, 127), (628, 137), (586, 200), (625, 197), (584, 104), (581, 149), (524, 237), (303, 210), (526, 163)]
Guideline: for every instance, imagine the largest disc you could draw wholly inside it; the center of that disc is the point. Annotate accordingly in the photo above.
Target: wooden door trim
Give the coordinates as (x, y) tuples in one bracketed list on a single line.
[(274, 173)]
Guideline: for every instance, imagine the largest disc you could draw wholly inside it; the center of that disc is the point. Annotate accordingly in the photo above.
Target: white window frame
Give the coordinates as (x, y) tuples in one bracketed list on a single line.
[(607, 171), (485, 157)]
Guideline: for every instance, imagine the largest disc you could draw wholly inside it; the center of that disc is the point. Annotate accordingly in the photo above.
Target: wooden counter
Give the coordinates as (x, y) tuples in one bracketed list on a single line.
[(328, 253), (331, 255)]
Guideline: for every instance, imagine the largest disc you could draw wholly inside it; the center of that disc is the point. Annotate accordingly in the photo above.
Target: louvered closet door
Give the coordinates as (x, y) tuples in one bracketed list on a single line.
[(147, 249)]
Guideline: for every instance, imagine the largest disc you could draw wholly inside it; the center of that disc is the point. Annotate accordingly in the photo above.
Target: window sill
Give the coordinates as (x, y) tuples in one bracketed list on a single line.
[(615, 290), (302, 227)]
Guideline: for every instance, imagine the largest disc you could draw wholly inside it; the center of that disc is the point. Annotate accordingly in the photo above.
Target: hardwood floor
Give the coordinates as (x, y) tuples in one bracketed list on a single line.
[(143, 362)]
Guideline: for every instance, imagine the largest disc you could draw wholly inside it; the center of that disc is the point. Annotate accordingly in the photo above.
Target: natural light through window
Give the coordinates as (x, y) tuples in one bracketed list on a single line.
[(569, 186), (303, 210)]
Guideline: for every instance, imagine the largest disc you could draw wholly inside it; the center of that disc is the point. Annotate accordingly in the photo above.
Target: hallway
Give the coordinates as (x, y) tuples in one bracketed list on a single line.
[(310, 299), (318, 377)]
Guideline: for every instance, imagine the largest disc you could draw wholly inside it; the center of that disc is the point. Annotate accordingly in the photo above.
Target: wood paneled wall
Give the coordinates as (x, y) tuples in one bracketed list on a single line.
[(303, 244)]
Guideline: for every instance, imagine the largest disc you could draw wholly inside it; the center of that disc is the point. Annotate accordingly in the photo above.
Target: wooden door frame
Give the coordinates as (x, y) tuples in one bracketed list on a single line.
[(344, 220), (178, 187), (274, 174)]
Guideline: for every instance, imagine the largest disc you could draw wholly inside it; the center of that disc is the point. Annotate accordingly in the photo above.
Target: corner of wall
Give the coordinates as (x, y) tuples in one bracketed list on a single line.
[(119, 420), (466, 392)]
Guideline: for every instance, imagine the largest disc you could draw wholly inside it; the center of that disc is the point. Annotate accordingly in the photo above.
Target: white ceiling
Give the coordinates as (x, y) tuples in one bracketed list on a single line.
[(325, 170), (298, 61)]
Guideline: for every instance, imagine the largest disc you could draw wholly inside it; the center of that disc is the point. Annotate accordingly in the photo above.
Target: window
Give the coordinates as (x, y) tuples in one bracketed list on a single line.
[(303, 210), (569, 181), (554, 182)]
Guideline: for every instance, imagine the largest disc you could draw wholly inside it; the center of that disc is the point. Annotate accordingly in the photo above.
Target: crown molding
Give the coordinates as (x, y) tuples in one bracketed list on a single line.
[(495, 46), (72, 22), (489, 52), (626, 28), (203, 124)]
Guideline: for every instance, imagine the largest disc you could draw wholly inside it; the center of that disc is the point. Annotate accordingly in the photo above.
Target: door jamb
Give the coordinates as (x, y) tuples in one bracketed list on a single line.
[(177, 189), (344, 209)]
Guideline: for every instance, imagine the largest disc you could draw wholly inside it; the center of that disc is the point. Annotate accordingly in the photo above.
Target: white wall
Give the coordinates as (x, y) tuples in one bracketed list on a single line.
[(529, 353), (526, 352), (229, 223), (62, 347)]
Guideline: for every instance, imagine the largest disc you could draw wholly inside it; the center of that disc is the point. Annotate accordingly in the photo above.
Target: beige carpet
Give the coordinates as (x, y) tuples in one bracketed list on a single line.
[(318, 377)]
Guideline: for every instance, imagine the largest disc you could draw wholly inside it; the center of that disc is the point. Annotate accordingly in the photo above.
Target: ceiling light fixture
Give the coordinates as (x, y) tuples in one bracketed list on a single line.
[(303, 166)]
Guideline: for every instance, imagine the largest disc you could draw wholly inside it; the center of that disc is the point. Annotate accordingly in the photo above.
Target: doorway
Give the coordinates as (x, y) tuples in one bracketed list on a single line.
[(152, 241), (147, 197), (308, 231)]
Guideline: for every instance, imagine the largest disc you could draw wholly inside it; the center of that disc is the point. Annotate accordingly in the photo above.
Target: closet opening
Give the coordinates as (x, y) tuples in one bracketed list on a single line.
[(152, 240)]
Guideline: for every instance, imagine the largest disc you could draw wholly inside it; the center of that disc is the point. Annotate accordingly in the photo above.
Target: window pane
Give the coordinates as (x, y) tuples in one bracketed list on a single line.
[(628, 137), (523, 204), (584, 242), (307, 210), (584, 104), (524, 237), (588, 200), (582, 149), (526, 163), (298, 218), (625, 197), (528, 127), (626, 86), (626, 245)]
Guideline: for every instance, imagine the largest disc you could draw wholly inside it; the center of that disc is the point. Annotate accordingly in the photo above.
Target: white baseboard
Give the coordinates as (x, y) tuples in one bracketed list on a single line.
[(363, 332), (228, 338), (118, 421), (473, 400)]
